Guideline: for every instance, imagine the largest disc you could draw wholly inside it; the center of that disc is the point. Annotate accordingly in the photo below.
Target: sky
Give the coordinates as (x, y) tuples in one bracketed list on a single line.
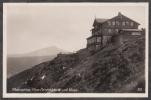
[(31, 27)]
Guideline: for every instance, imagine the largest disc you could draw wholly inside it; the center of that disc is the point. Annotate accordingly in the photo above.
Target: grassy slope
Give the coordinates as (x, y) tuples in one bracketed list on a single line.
[(19, 64), (117, 68)]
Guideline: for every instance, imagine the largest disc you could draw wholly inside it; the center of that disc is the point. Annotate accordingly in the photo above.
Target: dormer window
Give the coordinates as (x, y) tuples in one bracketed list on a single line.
[(127, 23), (123, 23), (117, 23), (109, 30), (132, 23), (113, 23)]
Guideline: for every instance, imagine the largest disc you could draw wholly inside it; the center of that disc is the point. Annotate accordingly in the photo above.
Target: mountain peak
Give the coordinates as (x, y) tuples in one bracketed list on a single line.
[(52, 50)]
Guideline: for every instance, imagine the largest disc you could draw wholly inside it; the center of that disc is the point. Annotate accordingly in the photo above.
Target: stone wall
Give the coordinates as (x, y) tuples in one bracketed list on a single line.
[(121, 38)]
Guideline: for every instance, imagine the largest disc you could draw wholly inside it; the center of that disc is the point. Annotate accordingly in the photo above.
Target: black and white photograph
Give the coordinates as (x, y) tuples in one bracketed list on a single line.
[(75, 50)]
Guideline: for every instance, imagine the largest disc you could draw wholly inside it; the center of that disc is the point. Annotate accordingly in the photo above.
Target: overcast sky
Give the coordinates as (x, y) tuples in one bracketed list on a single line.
[(35, 26)]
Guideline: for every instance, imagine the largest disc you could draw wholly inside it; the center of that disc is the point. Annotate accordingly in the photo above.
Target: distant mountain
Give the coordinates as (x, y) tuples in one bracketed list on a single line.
[(53, 50), (19, 62), (46, 51)]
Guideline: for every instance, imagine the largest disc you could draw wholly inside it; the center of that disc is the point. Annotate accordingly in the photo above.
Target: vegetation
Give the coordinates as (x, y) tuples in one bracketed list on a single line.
[(115, 68)]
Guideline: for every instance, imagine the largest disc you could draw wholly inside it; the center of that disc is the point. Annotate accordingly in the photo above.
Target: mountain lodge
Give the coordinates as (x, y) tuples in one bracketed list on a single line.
[(120, 27)]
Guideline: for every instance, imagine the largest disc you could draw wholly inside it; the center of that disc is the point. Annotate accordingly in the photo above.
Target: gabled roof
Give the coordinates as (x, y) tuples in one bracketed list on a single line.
[(131, 19), (100, 20), (125, 17)]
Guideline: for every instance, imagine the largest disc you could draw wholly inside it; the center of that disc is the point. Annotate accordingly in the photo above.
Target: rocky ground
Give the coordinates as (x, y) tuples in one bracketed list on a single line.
[(114, 69)]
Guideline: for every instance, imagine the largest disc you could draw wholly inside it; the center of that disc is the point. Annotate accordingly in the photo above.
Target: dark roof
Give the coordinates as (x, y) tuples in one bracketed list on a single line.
[(93, 36), (100, 20), (131, 19)]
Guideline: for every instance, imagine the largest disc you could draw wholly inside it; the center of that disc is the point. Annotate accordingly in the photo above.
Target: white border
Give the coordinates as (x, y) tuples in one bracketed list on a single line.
[(74, 95)]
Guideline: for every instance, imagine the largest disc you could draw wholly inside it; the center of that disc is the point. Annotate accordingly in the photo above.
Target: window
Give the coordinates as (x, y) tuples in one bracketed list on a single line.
[(95, 26), (96, 33), (98, 39), (89, 41), (116, 30), (97, 46), (132, 23), (113, 23), (127, 23), (123, 23), (100, 31), (109, 30), (93, 40), (117, 23), (109, 23), (105, 30), (136, 33)]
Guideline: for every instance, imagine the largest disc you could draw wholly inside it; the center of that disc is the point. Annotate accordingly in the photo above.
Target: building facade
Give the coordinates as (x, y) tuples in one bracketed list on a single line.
[(104, 29)]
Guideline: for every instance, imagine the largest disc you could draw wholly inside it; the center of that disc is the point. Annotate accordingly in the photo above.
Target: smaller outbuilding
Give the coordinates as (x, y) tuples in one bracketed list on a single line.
[(128, 34)]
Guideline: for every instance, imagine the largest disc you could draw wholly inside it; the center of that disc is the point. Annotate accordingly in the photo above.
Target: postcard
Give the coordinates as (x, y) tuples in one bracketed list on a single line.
[(54, 50)]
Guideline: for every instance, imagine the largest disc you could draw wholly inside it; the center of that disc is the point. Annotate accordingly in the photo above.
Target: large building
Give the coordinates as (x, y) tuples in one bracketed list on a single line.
[(104, 29)]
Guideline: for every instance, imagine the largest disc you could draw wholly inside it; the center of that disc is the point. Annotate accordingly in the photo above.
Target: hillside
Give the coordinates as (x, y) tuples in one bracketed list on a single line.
[(115, 68), (19, 62)]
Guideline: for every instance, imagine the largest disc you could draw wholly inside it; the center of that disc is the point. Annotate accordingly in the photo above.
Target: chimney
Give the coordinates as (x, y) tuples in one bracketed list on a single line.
[(119, 14)]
